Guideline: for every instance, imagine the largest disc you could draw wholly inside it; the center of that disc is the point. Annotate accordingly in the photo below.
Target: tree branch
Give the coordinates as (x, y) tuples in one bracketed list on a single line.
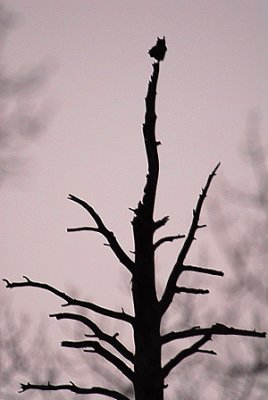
[(167, 239), (84, 228), (122, 316), (148, 200), (184, 353), (161, 222), (216, 329), (112, 340), (207, 333), (97, 348), (181, 289), (178, 267), (146, 206), (115, 246), (75, 389), (195, 268)]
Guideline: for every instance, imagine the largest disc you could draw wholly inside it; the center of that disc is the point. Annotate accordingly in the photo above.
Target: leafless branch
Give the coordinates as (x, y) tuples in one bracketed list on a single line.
[(178, 267), (115, 246), (209, 271), (75, 389), (181, 289), (84, 228), (71, 301), (99, 349), (148, 200), (112, 340), (161, 222), (216, 329), (185, 353), (167, 239)]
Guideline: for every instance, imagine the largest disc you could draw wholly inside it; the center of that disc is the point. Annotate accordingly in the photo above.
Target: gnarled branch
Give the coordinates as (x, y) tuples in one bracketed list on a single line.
[(112, 340), (115, 246), (122, 316), (75, 389)]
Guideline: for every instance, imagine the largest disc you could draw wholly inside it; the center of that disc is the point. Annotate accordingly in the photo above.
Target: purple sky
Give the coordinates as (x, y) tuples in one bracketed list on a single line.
[(214, 75)]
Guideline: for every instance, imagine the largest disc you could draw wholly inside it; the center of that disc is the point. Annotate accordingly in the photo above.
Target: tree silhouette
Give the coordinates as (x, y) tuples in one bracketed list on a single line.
[(144, 368)]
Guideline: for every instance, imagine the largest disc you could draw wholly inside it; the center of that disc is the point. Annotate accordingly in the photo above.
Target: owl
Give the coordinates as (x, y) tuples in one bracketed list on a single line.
[(159, 50)]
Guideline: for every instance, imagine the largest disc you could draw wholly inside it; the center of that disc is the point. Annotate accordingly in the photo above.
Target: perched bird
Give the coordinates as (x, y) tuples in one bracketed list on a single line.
[(159, 50)]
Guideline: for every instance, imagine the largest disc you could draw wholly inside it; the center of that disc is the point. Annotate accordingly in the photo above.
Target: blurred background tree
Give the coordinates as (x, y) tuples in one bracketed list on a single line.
[(24, 345), (22, 112), (240, 222)]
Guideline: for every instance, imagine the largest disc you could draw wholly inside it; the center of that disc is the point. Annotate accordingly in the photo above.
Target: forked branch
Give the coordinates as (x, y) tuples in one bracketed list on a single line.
[(207, 333), (216, 329), (185, 353), (101, 228), (75, 389), (99, 333), (178, 268), (70, 301), (96, 347)]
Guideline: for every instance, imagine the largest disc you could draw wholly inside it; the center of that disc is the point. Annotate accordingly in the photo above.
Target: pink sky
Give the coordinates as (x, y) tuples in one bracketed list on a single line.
[(214, 74)]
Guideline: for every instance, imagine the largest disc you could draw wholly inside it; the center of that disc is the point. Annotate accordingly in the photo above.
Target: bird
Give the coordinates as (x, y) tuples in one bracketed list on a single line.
[(159, 50)]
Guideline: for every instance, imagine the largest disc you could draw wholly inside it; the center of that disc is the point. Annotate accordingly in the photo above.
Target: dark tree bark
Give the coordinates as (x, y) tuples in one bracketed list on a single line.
[(147, 373)]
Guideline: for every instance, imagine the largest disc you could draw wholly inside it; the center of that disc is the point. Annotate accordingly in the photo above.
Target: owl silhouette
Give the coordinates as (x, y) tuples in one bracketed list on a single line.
[(159, 50)]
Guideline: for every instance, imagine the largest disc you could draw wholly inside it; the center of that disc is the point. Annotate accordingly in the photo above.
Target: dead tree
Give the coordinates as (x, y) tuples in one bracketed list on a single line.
[(144, 367)]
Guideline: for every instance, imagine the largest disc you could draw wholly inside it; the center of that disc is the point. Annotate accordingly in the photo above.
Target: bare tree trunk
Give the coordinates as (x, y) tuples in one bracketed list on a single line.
[(149, 381)]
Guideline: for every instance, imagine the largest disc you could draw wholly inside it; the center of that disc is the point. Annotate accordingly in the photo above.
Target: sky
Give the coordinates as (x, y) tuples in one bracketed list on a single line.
[(96, 63)]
